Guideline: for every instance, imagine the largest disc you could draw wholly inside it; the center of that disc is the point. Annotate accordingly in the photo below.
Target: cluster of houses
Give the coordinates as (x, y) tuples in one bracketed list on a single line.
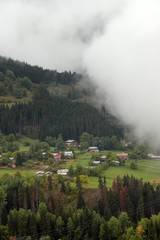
[(120, 157), (48, 173)]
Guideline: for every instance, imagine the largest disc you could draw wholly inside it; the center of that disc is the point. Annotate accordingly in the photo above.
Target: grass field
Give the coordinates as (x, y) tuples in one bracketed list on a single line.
[(23, 172), (148, 170)]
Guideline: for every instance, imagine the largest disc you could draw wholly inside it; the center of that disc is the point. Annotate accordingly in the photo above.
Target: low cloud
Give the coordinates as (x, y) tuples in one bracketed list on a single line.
[(117, 44)]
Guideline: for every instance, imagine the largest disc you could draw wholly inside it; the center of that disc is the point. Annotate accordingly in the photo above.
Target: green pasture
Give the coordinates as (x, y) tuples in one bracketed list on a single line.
[(23, 172), (148, 170)]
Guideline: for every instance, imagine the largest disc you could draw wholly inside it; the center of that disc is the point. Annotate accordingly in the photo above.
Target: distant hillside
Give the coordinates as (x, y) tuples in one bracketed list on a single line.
[(18, 82), (41, 103), (37, 74)]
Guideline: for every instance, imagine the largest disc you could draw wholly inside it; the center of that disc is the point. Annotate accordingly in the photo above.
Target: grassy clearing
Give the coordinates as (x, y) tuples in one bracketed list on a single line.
[(22, 143), (23, 172), (10, 100), (148, 170)]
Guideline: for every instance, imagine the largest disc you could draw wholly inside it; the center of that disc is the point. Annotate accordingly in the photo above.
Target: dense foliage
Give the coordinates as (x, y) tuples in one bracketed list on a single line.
[(37, 74), (49, 116), (41, 206)]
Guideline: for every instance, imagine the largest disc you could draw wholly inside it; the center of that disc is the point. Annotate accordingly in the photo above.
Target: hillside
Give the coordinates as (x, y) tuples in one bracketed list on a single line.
[(40, 103)]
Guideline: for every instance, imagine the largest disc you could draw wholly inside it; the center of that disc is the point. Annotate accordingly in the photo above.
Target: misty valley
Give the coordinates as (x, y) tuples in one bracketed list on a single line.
[(70, 169)]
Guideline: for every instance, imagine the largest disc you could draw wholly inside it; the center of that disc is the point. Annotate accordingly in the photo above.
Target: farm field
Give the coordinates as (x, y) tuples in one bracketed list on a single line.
[(148, 170), (23, 172)]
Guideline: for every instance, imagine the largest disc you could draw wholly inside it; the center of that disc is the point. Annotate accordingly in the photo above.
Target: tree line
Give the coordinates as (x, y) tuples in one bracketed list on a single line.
[(37, 74), (51, 115), (41, 206)]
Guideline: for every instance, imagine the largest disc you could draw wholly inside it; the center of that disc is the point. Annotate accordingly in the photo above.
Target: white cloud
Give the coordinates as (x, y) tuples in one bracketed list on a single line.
[(116, 42)]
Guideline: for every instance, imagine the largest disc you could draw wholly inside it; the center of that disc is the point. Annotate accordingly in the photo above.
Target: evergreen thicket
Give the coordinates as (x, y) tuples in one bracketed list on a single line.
[(39, 206), (49, 114), (37, 74)]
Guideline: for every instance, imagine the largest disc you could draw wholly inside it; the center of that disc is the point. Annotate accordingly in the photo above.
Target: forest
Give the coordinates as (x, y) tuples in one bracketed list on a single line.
[(46, 114), (51, 107), (42, 208)]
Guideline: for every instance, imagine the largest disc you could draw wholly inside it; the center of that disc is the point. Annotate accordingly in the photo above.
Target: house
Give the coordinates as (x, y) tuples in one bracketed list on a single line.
[(12, 159), (152, 156), (115, 163), (62, 171), (71, 143), (68, 154), (93, 149), (96, 162), (48, 173), (103, 158), (40, 173), (57, 157), (122, 156)]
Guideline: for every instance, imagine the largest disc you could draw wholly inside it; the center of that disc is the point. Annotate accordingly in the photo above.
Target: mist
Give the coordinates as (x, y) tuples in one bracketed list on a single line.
[(115, 42)]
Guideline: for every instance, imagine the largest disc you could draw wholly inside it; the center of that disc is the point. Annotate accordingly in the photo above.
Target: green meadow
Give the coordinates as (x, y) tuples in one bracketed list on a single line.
[(148, 170), (23, 172)]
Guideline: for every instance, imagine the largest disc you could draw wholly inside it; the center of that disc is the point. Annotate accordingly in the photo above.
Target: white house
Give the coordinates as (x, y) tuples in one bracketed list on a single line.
[(48, 173), (68, 154), (96, 162), (152, 156), (93, 149), (40, 173), (103, 158), (115, 163), (62, 171)]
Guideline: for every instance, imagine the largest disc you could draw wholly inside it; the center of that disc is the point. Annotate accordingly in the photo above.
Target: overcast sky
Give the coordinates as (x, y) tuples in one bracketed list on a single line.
[(117, 42)]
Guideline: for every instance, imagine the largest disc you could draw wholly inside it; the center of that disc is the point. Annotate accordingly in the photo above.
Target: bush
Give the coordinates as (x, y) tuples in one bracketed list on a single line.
[(133, 165)]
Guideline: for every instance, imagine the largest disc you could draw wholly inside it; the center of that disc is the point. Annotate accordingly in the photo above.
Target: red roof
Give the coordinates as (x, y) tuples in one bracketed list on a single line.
[(57, 155)]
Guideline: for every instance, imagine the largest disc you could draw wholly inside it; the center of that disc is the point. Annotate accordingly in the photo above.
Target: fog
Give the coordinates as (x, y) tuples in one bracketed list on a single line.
[(115, 42)]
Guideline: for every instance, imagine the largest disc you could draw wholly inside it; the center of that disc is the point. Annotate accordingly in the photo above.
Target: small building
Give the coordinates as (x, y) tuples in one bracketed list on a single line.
[(93, 149), (96, 162), (40, 173), (152, 156), (68, 154), (115, 163), (12, 159), (122, 156), (57, 157), (103, 158), (48, 173), (71, 143), (62, 171)]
